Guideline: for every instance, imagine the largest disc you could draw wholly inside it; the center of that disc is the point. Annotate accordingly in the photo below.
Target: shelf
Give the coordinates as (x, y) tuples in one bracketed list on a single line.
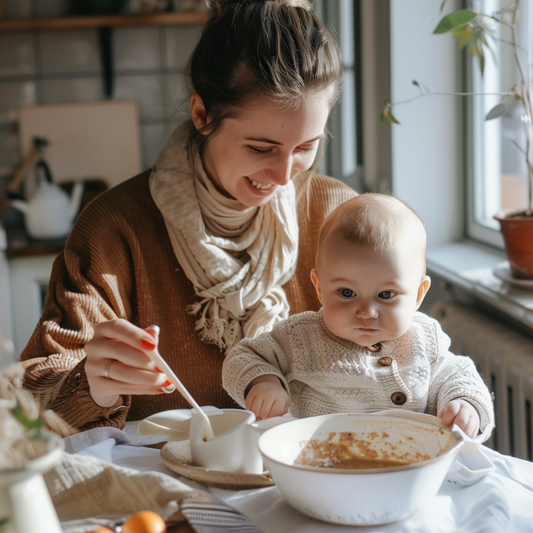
[(20, 245), (110, 21), (105, 25)]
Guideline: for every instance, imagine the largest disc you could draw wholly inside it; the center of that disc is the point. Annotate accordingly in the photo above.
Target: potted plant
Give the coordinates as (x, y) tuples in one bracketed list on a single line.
[(473, 31)]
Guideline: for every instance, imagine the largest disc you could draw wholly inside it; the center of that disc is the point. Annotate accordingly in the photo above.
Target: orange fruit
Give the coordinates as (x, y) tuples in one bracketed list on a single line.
[(144, 522)]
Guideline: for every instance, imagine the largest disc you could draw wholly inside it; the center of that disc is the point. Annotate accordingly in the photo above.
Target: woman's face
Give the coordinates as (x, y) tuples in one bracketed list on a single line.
[(264, 147)]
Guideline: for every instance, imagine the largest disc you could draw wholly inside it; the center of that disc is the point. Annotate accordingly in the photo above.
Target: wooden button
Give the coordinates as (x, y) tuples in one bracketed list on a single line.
[(385, 361), (398, 398), (375, 347), (77, 379)]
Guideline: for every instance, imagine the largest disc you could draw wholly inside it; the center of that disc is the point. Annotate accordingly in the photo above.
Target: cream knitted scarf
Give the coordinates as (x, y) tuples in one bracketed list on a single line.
[(236, 257)]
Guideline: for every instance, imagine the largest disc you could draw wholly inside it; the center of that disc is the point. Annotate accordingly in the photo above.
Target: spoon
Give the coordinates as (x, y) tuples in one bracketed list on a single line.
[(156, 357)]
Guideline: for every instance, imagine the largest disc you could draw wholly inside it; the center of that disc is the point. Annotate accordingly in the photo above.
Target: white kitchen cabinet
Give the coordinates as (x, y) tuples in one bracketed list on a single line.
[(29, 279), (6, 318), (23, 283)]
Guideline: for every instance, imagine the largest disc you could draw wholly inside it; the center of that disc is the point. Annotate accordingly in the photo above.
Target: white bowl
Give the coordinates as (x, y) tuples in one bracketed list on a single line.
[(369, 496)]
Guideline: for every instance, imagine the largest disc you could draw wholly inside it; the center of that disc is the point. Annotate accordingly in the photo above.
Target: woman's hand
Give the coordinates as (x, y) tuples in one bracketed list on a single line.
[(117, 362), (267, 397), (462, 413)]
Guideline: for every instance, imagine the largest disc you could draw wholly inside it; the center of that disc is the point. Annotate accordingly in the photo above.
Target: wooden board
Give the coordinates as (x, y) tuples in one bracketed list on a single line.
[(89, 140)]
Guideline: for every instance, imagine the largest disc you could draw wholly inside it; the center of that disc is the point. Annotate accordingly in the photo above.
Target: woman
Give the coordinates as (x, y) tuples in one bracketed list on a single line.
[(204, 245)]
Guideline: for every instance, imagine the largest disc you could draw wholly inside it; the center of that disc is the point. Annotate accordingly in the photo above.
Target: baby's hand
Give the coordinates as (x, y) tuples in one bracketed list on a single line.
[(462, 413), (267, 397)]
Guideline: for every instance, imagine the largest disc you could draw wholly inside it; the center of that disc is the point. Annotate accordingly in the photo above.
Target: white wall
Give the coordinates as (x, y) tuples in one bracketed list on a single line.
[(427, 153)]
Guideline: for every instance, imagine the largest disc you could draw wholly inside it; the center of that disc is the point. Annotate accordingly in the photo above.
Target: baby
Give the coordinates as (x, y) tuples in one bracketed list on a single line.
[(368, 349)]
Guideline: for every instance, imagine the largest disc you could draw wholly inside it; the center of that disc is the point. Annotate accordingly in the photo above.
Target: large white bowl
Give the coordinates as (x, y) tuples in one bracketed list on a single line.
[(360, 496)]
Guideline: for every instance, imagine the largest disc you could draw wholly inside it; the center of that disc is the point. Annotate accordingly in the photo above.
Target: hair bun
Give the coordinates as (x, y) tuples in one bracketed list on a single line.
[(220, 6)]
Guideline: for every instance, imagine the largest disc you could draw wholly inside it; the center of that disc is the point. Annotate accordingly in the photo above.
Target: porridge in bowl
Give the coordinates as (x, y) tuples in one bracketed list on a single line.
[(359, 469)]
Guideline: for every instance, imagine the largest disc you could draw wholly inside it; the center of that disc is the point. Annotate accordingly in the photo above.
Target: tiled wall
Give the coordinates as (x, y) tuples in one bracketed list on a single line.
[(64, 66)]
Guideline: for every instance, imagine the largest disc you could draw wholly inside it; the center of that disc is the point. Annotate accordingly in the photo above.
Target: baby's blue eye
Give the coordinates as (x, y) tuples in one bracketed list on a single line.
[(347, 293), (386, 295)]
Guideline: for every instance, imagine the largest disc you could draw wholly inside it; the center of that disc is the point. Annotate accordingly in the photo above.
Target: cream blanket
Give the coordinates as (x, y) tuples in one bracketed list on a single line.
[(88, 492), (237, 257)]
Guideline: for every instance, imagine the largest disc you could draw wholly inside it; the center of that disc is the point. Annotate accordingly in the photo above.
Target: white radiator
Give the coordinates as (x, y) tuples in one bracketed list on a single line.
[(505, 360)]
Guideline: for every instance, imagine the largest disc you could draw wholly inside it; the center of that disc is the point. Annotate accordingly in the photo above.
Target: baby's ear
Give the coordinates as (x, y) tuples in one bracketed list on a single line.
[(422, 290), (316, 283)]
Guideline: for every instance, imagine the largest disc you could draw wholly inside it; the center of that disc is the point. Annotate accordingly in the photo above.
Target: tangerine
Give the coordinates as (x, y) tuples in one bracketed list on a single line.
[(144, 522)]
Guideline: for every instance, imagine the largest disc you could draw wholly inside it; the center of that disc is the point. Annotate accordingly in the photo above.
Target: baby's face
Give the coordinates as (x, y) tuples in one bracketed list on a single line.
[(369, 296)]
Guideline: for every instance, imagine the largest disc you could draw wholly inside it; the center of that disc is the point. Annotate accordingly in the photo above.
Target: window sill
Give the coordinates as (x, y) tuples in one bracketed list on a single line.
[(466, 270)]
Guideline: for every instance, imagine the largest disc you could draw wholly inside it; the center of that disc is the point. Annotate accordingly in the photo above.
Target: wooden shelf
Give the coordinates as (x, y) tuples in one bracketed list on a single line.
[(110, 21), (105, 24)]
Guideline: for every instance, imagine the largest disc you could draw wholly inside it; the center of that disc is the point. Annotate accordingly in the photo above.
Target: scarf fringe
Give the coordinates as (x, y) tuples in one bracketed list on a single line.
[(225, 333)]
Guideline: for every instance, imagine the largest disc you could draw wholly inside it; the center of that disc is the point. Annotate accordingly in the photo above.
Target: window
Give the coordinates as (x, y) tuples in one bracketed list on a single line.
[(497, 170), (343, 156)]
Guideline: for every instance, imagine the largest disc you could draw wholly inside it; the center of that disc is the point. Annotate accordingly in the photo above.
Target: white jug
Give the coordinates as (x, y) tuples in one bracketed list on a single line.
[(236, 434), (50, 212)]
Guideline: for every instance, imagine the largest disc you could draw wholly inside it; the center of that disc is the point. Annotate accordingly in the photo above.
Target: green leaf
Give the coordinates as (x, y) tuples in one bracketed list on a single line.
[(496, 111), (481, 55), (455, 20), (464, 35), (25, 421), (386, 114)]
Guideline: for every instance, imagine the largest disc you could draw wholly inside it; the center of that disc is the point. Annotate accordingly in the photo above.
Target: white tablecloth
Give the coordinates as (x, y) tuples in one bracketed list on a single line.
[(499, 502)]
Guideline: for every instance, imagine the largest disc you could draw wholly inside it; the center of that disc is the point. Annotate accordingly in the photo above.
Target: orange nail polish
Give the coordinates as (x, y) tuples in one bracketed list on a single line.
[(158, 369), (167, 382), (147, 344)]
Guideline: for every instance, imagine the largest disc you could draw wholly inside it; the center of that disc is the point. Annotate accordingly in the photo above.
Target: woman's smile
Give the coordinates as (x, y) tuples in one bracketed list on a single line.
[(260, 186), (264, 146)]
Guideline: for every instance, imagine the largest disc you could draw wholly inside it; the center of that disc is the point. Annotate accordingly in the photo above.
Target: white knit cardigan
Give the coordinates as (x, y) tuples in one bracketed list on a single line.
[(324, 373)]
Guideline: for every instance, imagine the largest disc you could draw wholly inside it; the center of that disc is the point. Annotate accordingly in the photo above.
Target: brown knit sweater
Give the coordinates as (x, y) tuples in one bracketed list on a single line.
[(119, 262)]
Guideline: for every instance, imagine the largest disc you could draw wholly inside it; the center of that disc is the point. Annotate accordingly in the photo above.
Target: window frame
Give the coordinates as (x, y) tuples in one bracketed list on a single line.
[(480, 137), (343, 156), (484, 175)]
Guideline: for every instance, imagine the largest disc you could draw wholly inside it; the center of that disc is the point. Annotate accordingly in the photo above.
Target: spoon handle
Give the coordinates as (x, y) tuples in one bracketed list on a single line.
[(162, 364)]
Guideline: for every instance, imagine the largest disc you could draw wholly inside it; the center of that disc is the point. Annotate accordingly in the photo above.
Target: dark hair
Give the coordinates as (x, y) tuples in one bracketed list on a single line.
[(276, 48)]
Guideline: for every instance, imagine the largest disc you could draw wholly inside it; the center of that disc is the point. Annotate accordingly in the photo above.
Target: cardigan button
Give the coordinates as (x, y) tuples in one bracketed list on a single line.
[(385, 361), (375, 347), (398, 398)]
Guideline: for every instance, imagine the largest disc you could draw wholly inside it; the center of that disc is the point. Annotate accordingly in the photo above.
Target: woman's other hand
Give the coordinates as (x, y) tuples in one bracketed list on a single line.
[(267, 397), (117, 362)]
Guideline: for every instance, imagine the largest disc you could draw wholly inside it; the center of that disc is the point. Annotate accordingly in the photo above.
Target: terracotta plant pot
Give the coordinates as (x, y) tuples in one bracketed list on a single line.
[(517, 231)]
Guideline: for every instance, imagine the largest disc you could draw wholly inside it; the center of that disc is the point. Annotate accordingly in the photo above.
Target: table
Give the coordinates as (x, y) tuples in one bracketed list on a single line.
[(499, 502)]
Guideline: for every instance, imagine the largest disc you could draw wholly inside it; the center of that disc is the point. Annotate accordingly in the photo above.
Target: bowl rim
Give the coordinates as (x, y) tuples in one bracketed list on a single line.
[(453, 450)]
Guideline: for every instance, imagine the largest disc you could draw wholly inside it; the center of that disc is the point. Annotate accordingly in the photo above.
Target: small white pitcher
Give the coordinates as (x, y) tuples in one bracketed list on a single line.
[(234, 446)]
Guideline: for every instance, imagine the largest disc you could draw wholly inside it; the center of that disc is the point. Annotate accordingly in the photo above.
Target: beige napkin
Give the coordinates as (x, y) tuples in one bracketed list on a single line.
[(88, 492)]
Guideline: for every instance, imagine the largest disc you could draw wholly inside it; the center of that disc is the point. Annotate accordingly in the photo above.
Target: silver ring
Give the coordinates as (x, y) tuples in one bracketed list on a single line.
[(106, 371)]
